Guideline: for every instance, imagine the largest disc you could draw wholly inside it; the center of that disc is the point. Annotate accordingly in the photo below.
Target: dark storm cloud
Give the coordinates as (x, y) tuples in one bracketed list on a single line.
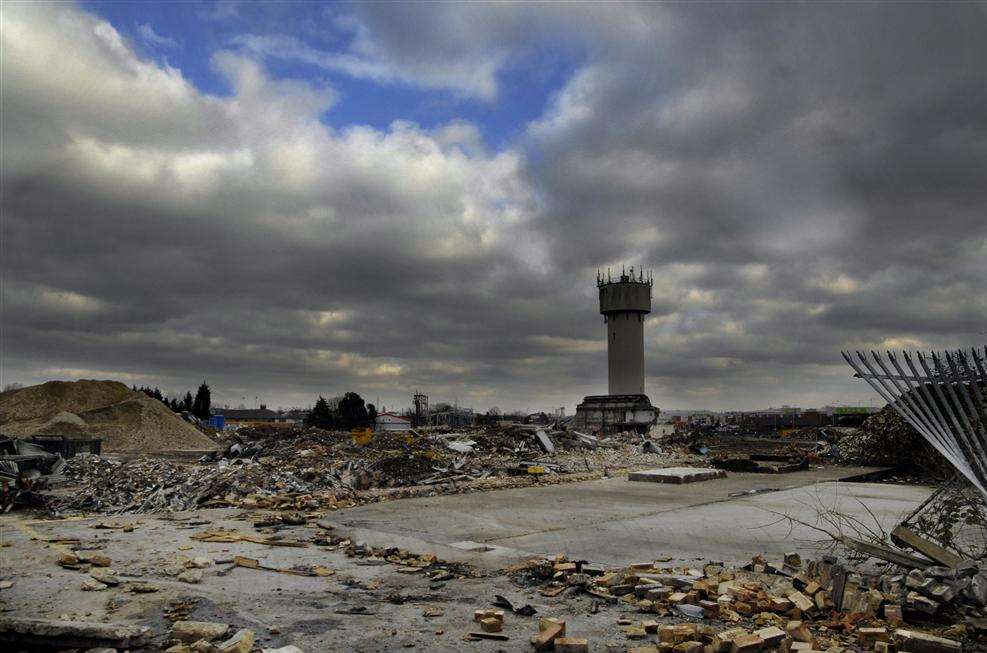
[(802, 178)]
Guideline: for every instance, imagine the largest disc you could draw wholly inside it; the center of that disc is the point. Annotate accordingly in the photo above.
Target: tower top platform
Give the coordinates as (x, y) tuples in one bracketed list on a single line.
[(628, 293)]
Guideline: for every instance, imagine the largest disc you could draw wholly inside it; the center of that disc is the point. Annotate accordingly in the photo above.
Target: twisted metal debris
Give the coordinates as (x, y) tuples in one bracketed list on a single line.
[(942, 397)]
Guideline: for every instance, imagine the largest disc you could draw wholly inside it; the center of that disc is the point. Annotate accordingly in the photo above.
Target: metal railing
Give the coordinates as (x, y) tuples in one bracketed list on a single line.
[(942, 396)]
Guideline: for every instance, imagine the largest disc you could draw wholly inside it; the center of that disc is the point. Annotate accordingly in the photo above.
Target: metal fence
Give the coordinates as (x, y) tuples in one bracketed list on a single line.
[(942, 396)]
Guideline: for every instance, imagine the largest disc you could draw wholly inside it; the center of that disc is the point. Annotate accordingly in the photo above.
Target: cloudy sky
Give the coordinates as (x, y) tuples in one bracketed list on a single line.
[(293, 199)]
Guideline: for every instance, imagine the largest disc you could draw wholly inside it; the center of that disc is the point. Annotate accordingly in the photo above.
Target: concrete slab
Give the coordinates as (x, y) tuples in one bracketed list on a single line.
[(676, 475), (614, 522)]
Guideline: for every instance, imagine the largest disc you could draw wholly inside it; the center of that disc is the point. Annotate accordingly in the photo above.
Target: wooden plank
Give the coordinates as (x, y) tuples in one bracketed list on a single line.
[(904, 536), (885, 553)]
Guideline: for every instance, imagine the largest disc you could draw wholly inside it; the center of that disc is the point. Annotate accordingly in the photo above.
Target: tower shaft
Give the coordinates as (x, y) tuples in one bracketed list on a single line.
[(625, 353)]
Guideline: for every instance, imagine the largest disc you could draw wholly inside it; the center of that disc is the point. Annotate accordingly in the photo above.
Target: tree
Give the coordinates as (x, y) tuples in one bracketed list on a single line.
[(371, 414), (187, 402), (352, 411), (202, 401), (322, 416)]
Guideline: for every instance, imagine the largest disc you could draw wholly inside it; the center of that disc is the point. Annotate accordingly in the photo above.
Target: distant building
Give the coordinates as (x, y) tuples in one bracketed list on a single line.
[(392, 422), (236, 417)]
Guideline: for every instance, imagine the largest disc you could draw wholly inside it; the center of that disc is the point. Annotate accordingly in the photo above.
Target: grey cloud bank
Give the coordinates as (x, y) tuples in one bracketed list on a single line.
[(802, 178)]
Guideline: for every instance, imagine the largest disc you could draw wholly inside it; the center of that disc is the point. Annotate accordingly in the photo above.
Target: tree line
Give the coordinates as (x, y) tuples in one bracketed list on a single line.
[(199, 405), (342, 413)]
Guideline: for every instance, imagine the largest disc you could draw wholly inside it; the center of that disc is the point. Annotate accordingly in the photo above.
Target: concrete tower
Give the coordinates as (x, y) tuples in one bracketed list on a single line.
[(624, 303)]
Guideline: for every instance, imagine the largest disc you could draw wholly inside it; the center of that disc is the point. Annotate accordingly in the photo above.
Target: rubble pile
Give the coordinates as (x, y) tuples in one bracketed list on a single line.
[(277, 467), (822, 605), (887, 439)]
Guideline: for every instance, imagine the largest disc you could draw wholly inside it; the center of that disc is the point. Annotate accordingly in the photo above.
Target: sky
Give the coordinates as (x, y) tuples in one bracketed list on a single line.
[(294, 199)]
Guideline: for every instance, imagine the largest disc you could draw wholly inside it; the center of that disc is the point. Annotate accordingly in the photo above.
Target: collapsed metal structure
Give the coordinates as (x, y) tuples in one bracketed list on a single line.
[(942, 396)]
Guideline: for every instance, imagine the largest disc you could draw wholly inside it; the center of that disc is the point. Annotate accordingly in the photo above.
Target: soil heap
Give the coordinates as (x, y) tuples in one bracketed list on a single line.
[(127, 421)]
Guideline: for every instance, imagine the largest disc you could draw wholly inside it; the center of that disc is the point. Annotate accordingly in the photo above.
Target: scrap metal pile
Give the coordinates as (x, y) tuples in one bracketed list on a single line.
[(26, 469), (886, 438)]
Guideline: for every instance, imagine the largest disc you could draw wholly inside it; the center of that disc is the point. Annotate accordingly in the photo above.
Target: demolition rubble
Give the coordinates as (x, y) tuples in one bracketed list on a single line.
[(256, 543)]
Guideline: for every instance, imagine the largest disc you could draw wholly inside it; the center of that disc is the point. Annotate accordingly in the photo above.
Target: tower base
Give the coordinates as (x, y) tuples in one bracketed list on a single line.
[(612, 413)]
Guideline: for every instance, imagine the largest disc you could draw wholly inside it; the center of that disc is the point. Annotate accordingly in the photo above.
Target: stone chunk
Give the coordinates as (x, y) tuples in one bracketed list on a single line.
[(193, 631), (916, 642), (241, 642)]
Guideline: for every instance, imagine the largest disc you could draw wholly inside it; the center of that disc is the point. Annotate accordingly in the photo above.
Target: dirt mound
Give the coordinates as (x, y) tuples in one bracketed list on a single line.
[(144, 424), (42, 402), (63, 423), (125, 420)]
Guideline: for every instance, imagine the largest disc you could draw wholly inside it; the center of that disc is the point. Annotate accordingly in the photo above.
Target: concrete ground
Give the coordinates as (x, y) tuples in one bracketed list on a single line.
[(617, 522), (611, 521)]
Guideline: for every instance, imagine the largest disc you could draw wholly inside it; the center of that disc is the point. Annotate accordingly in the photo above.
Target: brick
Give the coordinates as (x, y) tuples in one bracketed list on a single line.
[(800, 646), (779, 604), (651, 627), (545, 639), (884, 647), (892, 614), (677, 597), (690, 646), (722, 642), (772, 635), (801, 601), (634, 632), (799, 632), (916, 642), (571, 645), (659, 593), (491, 625), (747, 644), (548, 622)]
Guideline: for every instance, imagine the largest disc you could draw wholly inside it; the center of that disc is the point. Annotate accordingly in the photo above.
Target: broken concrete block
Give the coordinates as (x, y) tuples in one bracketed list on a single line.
[(916, 642), (93, 585), (571, 645), (241, 642), (884, 647), (193, 631), (192, 576), (868, 636), (105, 575), (676, 475), (198, 562)]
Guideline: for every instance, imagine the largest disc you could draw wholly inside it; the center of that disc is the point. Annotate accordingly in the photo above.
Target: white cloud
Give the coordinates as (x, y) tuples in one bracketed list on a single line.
[(155, 40)]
